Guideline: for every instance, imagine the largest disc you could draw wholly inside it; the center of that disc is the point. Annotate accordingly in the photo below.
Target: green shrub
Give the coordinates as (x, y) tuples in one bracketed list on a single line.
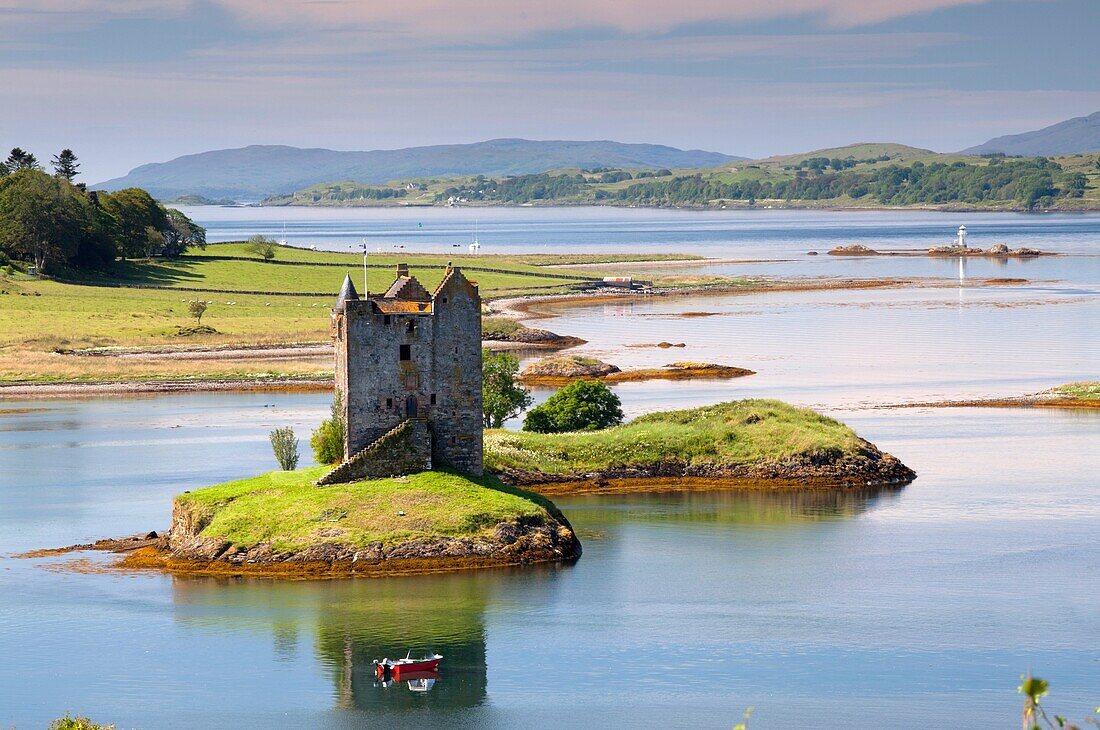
[(328, 440), (285, 447), (585, 405)]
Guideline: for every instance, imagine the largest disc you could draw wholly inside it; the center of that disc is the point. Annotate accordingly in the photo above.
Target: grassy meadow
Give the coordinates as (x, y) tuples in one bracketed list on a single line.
[(737, 433), (41, 318), (287, 509)]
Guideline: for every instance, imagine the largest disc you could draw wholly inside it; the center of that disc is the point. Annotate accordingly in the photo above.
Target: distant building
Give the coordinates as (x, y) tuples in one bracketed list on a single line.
[(408, 368), (960, 241)]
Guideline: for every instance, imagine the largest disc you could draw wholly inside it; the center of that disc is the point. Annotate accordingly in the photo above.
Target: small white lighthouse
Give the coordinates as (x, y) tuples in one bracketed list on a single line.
[(961, 241)]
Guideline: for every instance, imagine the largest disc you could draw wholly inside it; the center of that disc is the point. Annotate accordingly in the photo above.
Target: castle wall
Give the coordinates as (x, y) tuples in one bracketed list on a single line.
[(457, 422), (439, 382), (378, 383), (404, 450)]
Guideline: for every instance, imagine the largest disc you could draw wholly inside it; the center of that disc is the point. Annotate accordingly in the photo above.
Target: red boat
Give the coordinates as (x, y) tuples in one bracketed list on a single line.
[(397, 667)]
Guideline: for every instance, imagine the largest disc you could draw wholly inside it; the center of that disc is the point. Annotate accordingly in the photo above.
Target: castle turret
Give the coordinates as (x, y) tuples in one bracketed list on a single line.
[(347, 293)]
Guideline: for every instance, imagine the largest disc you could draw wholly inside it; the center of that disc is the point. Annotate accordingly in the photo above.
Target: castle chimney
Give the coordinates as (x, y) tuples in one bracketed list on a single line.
[(402, 270)]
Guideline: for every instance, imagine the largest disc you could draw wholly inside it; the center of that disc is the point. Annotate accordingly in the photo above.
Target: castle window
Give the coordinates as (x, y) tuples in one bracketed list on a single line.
[(431, 399), (410, 327), (406, 353), (386, 319), (444, 300), (389, 403)]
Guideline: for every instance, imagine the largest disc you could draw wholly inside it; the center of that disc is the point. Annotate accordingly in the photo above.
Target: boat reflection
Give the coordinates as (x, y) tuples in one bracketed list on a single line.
[(346, 624), (419, 682)]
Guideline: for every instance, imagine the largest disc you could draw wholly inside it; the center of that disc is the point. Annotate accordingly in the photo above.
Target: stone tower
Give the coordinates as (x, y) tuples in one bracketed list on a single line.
[(408, 368)]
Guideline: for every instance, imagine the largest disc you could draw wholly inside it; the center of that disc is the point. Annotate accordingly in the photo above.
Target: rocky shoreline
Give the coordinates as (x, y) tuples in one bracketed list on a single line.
[(997, 250), (529, 338), (183, 551), (564, 370), (79, 390), (1039, 400), (869, 468)]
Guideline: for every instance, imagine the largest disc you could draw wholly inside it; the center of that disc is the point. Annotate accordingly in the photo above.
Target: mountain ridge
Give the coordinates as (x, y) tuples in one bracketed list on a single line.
[(256, 171), (1079, 135)]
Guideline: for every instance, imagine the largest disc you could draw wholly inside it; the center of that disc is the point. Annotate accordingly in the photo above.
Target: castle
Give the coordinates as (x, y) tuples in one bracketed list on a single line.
[(408, 373)]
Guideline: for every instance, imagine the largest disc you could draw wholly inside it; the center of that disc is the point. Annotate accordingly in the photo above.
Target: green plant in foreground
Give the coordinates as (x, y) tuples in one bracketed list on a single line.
[(1035, 717), (327, 441), (502, 397), (285, 446), (584, 405)]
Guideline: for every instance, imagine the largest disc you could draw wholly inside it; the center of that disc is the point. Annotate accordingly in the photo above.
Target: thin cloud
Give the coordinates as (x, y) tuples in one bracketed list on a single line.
[(484, 19)]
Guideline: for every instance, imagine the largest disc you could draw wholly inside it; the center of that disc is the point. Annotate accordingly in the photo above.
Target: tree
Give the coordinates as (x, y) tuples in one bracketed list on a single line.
[(502, 397), (136, 222), (197, 308), (285, 446), (65, 164), (180, 234), (19, 159), (41, 217), (584, 405), (327, 441), (263, 247)]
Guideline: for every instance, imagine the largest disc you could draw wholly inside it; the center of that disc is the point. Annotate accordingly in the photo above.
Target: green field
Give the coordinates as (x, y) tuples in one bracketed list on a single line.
[(737, 433), (287, 510), (145, 303)]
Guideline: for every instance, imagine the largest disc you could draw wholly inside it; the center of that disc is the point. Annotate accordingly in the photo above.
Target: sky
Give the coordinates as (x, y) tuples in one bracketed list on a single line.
[(127, 82)]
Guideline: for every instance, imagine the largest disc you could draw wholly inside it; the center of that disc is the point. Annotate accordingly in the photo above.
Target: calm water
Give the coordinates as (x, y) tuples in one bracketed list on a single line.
[(750, 234), (903, 609)]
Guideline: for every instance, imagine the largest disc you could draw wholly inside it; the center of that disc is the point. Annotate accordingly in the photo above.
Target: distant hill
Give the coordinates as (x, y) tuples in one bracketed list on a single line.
[(1079, 135), (261, 170), (858, 151)]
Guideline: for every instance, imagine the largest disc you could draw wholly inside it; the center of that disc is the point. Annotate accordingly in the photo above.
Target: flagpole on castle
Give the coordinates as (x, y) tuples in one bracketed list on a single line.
[(366, 292)]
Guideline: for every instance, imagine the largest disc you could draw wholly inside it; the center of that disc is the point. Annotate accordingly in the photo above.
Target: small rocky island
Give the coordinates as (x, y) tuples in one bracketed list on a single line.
[(748, 444), (501, 333), (997, 250), (564, 369), (283, 524)]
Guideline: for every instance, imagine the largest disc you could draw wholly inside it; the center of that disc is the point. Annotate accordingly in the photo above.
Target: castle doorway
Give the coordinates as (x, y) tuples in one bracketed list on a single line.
[(410, 406)]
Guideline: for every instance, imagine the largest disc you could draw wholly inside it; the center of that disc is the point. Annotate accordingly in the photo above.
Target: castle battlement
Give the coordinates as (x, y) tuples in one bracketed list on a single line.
[(412, 354)]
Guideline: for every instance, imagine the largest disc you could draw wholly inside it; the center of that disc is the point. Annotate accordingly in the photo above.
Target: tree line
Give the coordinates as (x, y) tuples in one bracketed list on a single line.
[(1031, 182), (55, 223)]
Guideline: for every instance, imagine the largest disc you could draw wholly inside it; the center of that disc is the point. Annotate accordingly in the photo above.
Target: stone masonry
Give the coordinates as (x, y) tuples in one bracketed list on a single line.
[(409, 355)]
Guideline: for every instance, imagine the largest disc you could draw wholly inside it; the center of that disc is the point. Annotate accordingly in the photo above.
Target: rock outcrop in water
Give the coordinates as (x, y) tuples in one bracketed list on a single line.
[(825, 469), (519, 541), (564, 370)]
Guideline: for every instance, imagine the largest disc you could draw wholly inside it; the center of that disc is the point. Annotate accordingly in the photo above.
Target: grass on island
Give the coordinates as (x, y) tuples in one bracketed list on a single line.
[(1084, 391), (737, 433), (287, 510), (499, 328)]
